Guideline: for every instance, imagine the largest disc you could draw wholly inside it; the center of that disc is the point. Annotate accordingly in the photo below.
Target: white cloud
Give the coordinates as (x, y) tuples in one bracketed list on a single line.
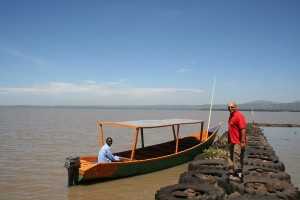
[(184, 69), (156, 92), (90, 82), (90, 92), (24, 56)]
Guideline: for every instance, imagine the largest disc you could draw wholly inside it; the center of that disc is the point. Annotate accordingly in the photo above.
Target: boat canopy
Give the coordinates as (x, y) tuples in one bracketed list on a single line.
[(152, 123), (139, 125)]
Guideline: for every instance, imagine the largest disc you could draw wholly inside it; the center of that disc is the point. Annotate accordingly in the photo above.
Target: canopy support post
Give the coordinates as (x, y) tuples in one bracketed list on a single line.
[(142, 137), (201, 131), (177, 139), (174, 134), (134, 144), (101, 135)]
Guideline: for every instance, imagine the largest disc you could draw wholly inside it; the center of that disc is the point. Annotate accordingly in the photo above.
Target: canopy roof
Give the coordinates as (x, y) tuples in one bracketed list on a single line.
[(152, 123)]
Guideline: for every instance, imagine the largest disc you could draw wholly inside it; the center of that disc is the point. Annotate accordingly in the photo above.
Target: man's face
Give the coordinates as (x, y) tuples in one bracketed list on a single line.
[(231, 107), (109, 142)]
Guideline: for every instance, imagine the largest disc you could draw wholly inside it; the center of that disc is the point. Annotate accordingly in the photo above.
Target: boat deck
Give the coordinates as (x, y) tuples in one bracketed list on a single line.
[(159, 150)]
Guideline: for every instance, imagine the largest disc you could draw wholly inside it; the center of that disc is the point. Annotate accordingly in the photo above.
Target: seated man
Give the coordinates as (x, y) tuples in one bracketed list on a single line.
[(105, 155)]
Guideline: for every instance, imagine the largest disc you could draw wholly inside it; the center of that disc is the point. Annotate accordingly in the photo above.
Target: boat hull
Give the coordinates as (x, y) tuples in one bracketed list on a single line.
[(113, 170)]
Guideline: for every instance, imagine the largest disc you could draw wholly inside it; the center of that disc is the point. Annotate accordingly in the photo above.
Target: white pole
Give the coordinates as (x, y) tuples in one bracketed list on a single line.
[(212, 97), (252, 116)]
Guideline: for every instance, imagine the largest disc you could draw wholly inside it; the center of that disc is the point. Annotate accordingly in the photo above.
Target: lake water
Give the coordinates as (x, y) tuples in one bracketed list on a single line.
[(285, 142), (34, 143)]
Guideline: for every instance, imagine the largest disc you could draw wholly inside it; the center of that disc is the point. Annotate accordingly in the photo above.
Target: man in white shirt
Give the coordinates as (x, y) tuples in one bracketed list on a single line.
[(105, 155)]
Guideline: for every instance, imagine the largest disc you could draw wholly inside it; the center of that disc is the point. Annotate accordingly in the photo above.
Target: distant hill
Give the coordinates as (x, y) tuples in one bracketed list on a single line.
[(260, 106)]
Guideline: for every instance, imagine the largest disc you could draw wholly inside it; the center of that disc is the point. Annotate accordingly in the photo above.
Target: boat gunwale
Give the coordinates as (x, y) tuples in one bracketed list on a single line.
[(116, 165), (169, 155), (159, 157)]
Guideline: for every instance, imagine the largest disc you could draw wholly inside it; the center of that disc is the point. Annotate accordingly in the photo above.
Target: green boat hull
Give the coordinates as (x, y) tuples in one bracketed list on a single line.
[(151, 165)]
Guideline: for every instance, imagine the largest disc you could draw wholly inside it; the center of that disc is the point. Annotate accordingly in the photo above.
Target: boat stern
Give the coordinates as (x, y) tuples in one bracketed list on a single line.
[(72, 164)]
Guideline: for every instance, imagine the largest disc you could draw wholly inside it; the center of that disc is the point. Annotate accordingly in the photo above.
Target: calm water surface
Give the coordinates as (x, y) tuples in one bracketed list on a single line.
[(285, 142), (34, 143)]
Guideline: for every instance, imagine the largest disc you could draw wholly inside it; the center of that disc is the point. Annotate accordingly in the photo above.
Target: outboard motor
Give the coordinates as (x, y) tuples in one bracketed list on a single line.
[(72, 164)]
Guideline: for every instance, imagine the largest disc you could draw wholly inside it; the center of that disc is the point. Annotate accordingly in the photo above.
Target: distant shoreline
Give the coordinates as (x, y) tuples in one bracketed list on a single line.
[(147, 107), (276, 125)]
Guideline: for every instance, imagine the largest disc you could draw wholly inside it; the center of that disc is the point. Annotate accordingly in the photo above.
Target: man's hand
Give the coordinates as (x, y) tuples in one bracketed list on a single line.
[(243, 144)]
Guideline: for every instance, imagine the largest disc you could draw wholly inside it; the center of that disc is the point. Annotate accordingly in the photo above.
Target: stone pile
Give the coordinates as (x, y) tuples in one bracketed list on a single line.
[(207, 175)]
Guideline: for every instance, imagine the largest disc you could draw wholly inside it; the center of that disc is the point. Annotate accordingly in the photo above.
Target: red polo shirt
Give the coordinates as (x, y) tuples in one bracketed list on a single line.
[(236, 123)]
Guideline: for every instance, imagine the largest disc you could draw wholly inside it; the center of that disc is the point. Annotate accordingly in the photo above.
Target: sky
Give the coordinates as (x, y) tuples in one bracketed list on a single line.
[(155, 52)]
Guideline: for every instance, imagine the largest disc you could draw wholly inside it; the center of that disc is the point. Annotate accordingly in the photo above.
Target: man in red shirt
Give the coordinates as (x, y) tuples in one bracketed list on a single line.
[(237, 140)]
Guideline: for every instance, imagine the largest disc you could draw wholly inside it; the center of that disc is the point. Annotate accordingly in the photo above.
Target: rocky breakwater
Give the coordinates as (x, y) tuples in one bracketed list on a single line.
[(207, 175)]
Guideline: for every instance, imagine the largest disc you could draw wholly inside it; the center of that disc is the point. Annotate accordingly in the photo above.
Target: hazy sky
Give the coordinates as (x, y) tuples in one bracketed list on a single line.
[(125, 52)]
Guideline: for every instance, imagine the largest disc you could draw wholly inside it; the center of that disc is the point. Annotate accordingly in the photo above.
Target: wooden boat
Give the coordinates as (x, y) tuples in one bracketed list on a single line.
[(148, 158)]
